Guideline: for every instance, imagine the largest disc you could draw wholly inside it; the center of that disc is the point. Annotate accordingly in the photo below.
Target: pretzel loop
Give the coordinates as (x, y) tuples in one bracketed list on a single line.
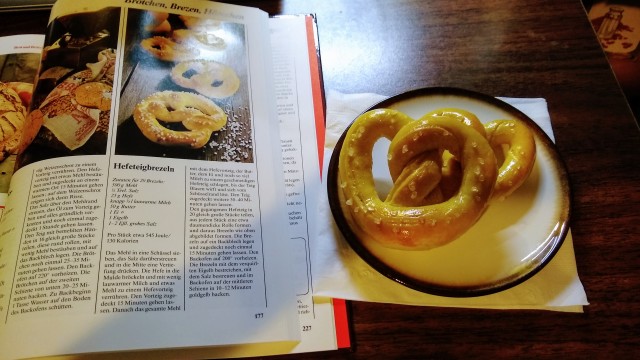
[(199, 116), (444, 171)]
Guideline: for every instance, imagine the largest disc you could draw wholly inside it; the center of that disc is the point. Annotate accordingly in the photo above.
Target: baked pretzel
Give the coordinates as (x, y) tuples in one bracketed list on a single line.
[(169, 44), (515, 149), (201, 39), (167, 49), (513, 145), (199, 116), (444, 171), (209, 78)]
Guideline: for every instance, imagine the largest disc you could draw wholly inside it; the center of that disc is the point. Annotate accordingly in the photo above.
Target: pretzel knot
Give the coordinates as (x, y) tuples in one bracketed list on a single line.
[(199, 116), (446, 168)]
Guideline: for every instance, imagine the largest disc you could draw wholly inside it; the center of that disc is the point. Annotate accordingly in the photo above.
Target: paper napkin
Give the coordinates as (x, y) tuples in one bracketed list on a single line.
[(339, 272)]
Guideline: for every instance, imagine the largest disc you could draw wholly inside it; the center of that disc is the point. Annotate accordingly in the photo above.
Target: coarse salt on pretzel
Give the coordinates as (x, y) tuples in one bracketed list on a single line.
[(450, 172), (515, 149), (413, 227), (199, 115), (444, 170), (513, 145), (466, 117)]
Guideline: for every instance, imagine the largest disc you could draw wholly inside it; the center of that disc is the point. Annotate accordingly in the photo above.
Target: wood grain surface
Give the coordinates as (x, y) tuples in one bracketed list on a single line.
[(538, 48)]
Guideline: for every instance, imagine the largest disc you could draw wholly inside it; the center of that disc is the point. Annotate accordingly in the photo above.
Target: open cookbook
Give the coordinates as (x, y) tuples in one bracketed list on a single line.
[(159, 160)]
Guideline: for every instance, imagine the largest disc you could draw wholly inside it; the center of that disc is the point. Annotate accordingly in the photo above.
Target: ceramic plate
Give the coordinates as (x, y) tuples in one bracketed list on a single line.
[(514, 238)]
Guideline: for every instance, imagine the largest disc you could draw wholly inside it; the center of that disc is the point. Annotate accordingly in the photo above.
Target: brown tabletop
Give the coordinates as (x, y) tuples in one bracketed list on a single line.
[(533, 48)]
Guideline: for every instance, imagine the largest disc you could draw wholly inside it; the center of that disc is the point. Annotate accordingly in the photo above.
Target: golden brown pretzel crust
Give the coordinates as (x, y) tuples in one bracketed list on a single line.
[(444, 171), (168, 50), (199, 115), (515, 149), (209, 78)]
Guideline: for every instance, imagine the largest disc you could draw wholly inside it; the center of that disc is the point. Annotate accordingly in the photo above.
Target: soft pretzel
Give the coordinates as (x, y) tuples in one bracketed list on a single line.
[(201, 39), (168, 50), (513, 145), (466, 117), (199, 116), (515, 149), (444, 171), (180, 44), (209, 78)]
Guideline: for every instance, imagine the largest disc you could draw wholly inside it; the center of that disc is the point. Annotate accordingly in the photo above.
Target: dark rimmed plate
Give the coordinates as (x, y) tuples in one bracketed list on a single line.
[(513, 240)]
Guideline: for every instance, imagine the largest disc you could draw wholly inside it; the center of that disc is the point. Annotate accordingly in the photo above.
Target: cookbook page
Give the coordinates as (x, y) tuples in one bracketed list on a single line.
[(323, 321), (149, 207), (299, 97)]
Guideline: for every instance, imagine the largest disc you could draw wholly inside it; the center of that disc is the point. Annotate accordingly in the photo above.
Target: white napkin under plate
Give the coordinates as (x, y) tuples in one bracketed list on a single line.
[(338, 272)]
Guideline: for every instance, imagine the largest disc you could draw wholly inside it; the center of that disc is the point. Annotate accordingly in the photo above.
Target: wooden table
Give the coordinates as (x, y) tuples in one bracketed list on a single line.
[(538, 48)]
